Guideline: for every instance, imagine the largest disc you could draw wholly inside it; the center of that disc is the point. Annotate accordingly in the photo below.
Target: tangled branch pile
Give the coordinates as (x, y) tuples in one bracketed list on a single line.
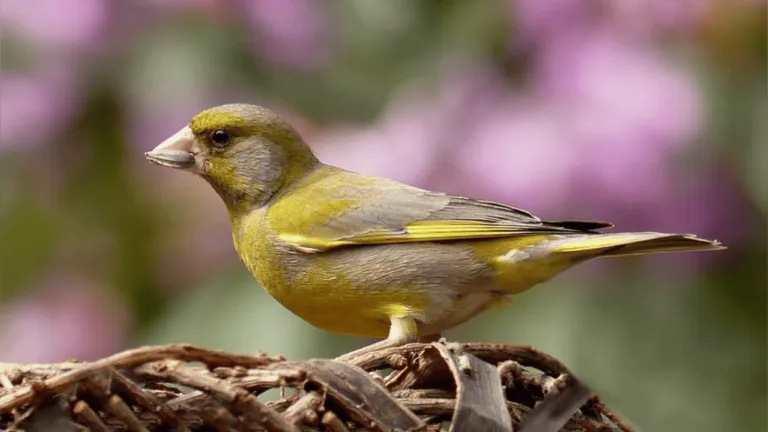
[(426, 387)]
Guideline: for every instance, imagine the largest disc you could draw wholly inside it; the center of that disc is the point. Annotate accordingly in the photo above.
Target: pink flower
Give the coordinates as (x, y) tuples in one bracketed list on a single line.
[(648, 17), (420, 126), (288, 32), (34, 107), (67, 318), (57, 24), (542, 21), (615, 88), (202, 4), (520, 153)]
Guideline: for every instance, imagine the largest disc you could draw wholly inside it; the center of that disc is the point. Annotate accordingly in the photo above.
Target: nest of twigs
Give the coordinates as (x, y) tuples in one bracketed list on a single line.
[(429, 387)]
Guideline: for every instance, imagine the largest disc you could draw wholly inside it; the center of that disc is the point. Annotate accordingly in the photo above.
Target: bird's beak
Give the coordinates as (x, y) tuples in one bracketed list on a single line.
[(178, 151)]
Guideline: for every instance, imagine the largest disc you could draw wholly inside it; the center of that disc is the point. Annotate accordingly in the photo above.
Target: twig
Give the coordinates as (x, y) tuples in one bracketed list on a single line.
[(480, 402), (89, 417), (254, 411), (127, 359), (147, 401), (333, 422), (298, 413), (493, 353), (558, 407), (366, 401), (477, 385), (216, 416), (621, 424), (121, 411)]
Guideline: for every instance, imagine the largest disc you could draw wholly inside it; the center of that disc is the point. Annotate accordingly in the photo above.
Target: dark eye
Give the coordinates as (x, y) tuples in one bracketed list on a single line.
[(220, 138)]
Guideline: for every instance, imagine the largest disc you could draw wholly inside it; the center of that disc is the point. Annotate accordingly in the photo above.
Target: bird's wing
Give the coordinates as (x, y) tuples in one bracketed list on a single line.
[(362, 210)]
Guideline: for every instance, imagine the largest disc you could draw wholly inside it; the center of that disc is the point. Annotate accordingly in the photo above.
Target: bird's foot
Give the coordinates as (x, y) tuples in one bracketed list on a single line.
[(403, 330)]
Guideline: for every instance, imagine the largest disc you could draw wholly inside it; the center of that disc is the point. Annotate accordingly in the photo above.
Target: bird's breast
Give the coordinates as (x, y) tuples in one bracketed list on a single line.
[(312, 287), (254, 244)]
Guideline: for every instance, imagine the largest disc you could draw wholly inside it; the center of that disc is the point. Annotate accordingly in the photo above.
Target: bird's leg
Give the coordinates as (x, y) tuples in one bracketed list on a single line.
[(401, 331)]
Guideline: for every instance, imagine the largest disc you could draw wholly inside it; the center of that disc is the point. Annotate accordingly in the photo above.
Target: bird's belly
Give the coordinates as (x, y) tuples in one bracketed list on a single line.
[(344, 309), (357, 291), (463, 309), (357, 313), (349, 292)]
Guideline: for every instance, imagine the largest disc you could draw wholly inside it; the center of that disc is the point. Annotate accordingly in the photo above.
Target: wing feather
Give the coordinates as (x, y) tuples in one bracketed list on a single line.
[(363, 210)]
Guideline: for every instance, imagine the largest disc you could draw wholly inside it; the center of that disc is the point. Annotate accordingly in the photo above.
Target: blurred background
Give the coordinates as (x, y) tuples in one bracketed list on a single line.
[(648, 113)]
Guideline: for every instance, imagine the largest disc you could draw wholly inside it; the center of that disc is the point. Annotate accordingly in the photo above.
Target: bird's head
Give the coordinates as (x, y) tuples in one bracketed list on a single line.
[(246, 152)]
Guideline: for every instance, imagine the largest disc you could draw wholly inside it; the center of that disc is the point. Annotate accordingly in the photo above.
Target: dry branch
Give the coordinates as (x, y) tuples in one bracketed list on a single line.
[(431, 387)]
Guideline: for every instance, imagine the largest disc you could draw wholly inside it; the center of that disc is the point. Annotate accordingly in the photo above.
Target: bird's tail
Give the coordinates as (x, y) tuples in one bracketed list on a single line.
[(640, 243)]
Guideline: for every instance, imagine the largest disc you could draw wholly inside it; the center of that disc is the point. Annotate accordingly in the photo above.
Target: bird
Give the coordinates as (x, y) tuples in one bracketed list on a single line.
[(368, 256)]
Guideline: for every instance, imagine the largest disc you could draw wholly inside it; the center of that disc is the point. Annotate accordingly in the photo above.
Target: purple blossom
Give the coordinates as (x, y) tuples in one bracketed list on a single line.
[(182, 3), (520, 153), (37, 101), (616, 89), (55, 24), (543, 21), (649, 17), (615, 114), (627, 111), (597, 138), (67, 318), (288, 32), (593, 138), (34, 107), (421, 124)]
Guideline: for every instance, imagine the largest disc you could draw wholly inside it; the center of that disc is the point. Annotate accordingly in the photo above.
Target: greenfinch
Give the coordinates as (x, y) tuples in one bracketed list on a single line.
[(368, 256)]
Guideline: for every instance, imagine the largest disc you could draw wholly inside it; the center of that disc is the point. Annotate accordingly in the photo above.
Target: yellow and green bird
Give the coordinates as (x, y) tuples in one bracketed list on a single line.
[(368, 256)]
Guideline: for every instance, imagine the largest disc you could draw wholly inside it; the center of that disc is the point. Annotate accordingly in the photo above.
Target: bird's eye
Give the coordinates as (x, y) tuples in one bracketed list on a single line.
[(220, 138)]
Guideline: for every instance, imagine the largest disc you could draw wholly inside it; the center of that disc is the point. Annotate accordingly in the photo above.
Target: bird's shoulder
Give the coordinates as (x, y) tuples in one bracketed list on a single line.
[(332, 199)]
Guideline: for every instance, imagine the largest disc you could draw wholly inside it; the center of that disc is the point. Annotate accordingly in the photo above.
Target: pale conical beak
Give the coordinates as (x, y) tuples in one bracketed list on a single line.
[(178, 151)]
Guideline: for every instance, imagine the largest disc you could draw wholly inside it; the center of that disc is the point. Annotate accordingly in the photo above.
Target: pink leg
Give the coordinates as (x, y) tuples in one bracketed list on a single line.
[(401, 331)]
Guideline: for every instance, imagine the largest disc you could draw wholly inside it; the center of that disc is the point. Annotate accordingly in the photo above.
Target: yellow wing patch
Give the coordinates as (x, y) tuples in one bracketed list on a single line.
[(637, 243), (583, 243), (419, 231)]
